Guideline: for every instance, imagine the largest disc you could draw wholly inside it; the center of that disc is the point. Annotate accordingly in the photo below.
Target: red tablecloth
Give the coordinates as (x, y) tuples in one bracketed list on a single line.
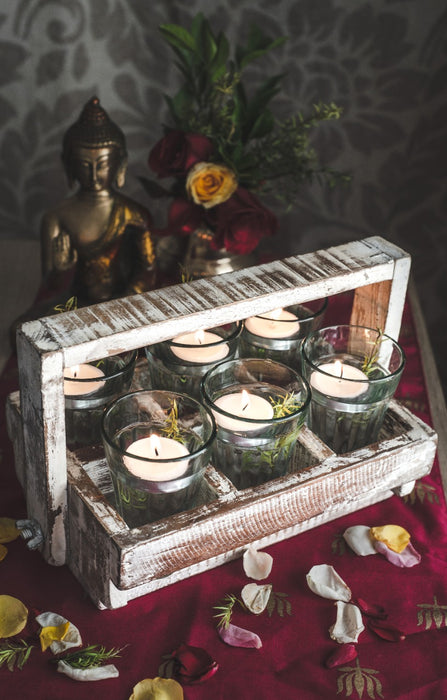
[(290, 663)]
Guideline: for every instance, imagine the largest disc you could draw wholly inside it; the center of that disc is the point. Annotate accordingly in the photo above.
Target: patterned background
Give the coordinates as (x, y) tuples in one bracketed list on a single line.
[(384, 61)]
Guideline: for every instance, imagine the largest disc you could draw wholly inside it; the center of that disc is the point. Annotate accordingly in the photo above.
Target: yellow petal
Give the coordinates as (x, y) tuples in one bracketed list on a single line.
[(13, 616), (8, 530), (395, 537), (3, 552), (157, 689), (48, 635)]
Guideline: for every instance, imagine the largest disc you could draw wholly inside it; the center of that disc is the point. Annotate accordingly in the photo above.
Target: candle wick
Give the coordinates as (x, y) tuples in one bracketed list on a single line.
[(75, 374), (156, 451), (246, 406), (341, 372)]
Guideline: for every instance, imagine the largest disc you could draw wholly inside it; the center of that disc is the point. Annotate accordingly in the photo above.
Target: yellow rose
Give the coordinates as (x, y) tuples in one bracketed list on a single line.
[(209, 184)]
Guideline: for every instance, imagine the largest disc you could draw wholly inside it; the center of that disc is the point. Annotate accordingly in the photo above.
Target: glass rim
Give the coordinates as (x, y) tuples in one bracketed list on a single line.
[(257, 421), (181, 458), (106, 377), (315, 314), (233, 335), (368, 380)]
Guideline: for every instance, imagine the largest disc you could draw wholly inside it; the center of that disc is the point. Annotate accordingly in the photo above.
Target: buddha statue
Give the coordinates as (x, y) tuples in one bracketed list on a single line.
[(99, 234)]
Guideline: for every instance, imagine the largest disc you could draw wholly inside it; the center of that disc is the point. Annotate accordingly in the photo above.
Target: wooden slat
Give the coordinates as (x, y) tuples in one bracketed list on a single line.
[(47, 345)]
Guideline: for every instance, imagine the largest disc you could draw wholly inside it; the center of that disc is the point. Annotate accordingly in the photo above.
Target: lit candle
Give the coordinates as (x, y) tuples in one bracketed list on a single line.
[(200, 347), (336, 385), (82, 372), (274, 324), (243, 405), (155, 451)]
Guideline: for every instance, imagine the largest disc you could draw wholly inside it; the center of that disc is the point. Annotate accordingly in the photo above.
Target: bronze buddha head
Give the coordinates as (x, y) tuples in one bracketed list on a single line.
[(94, 150)]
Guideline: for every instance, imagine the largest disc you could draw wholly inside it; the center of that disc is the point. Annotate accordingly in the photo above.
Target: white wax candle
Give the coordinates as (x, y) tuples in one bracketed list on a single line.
[(203, 350), (243, 405), (274, 324), (154, 449), (336, 385), (82, 372)]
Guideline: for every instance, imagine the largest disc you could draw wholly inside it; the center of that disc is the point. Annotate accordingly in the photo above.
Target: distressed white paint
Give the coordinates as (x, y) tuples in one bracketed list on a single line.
[(116, 564)]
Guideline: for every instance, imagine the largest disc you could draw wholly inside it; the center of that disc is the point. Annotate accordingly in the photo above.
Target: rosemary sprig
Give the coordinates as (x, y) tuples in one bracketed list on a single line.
[(226, 610), (70, 305), (370, 360), (89, 657), (15, 654), (171, 428), (286, 405)]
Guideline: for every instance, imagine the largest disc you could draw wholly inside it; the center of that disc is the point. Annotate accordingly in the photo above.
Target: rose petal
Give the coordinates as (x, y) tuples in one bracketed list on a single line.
[(394, 536), (8, 530), (13, 616), (323, 580), (371, 609), (189, 664), (98, 673), (257, 565), (386, 630), (255, 597), (51, 634), (239, 637), (348, 625), (359, 539), (341, 655), (71, 639), (157, 689), (406, 559)]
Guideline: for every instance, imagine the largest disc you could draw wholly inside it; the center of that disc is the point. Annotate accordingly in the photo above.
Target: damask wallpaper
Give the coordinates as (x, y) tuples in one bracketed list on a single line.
[(383, 61)]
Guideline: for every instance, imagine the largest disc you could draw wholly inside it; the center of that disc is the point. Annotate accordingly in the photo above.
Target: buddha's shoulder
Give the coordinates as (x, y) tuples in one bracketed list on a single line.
[(134, 211)]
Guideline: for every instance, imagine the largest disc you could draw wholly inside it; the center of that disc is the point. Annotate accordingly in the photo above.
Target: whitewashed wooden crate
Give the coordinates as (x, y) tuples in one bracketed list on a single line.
[(70, 494)]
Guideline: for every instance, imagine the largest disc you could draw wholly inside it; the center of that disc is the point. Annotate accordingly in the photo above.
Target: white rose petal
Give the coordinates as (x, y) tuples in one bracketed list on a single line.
[(323, 580), (71, 639), (98, 673), (257, 565), (255, 597), (348, 625), (359, 539)]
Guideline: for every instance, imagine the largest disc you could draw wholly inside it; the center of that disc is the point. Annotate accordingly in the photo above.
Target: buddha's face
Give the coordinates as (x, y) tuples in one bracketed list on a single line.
[(95, 168)]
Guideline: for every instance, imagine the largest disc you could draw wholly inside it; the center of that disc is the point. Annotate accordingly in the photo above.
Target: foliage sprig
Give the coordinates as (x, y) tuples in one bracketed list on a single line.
[(89, 657), (15, 654)]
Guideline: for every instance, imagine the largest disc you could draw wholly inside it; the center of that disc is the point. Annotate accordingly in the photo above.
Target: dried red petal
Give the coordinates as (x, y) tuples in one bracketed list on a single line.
[(371, 609), (188, 665), (341, 655), (386, 630)]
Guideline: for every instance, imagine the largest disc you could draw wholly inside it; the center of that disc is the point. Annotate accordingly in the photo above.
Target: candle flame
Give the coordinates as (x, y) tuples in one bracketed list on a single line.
[(245, 400), (338, 368), (199, 336), (155, 444)]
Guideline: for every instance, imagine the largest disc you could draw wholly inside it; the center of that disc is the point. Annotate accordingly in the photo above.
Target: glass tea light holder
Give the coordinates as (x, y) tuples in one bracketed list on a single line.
[(353, 372), (157, 445), (259, 407), (179, 364), (88, 388), (277, 335)]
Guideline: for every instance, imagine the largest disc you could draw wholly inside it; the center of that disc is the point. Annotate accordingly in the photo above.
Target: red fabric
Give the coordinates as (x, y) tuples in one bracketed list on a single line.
[(290, 665)]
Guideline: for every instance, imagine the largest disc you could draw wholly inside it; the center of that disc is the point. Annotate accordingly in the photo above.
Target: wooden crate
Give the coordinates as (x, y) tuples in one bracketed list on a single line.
[(70, 494)]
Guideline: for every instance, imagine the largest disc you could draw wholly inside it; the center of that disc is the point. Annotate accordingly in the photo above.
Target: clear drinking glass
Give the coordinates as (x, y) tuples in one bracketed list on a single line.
[(86, 396), (157, 445), (278, 335), (353, 372), (180, 366), (256, 430)]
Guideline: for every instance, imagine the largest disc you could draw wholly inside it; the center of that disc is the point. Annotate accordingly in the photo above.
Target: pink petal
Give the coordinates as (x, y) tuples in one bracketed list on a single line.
[(341, 655), (238, 637), (407, 558)]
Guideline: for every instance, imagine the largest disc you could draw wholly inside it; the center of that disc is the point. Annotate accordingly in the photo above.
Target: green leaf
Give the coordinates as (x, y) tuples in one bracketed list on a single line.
[(263, 125), (178, 37), (218, 66)]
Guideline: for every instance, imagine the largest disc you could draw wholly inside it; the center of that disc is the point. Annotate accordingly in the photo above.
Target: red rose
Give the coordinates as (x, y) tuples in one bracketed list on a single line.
[(188, 665), (184, 218), (241, 222), (177, 152)]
